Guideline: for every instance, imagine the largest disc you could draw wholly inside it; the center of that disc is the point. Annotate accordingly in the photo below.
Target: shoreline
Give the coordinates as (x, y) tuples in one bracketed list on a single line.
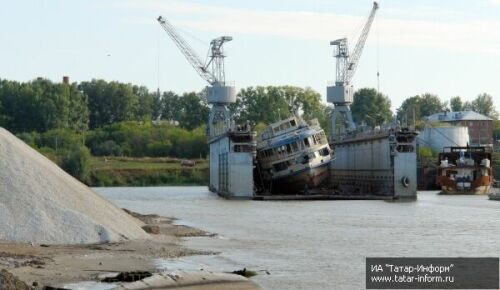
[(40, 266)]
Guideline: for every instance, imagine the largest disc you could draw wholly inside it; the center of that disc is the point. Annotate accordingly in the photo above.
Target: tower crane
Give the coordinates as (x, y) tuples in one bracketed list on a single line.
[(341, 94), (212, 70)]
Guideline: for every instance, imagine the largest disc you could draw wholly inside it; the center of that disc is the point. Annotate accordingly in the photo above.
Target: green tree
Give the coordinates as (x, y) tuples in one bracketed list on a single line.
[(110, 102), (371, 107), (422, 106), (146, 102), (77, 163), (484, 104), (193, 111), (41, 105), (456, 104), (3, 117), (157, 105), (270, 104), (170, 106)]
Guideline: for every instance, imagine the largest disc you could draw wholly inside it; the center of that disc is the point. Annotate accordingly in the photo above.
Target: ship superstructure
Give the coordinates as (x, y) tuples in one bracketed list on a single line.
[(293, 156), (465, 170)]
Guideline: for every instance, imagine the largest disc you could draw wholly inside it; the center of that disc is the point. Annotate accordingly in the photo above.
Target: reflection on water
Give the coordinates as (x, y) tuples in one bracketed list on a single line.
[(322, 244)]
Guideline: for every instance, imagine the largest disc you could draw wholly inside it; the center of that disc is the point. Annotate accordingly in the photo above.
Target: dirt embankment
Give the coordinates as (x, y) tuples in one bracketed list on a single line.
[(37, 266)]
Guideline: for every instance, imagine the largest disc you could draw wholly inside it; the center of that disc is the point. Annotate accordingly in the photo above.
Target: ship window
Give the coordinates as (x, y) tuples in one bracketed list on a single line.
[(306, 142), (281, 166), (404, 148), (293, 123), (324, 152), (242, 148)]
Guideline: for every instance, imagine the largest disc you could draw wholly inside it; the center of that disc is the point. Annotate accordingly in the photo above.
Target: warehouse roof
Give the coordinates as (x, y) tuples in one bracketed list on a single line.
[(457, 116)]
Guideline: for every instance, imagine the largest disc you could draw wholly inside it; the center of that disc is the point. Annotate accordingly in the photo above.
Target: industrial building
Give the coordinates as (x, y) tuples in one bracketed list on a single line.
[(480, 126)]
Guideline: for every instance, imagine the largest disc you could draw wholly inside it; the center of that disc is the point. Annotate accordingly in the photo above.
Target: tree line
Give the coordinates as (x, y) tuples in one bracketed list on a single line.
[(105, 112), (373, 108)]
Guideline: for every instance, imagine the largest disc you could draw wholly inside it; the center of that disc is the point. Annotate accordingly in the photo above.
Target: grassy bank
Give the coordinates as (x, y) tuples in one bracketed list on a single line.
[(126, 171)]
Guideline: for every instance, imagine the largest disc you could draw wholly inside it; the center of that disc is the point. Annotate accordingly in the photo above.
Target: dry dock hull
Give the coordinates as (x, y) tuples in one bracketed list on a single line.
[(301, 181)]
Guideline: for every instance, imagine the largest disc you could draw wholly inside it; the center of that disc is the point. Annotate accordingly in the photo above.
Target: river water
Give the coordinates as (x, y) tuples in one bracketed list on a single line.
[(320, 244)]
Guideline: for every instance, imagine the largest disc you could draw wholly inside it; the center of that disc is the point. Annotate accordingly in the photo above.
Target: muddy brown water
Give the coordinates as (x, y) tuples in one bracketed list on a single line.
[(319, 244)]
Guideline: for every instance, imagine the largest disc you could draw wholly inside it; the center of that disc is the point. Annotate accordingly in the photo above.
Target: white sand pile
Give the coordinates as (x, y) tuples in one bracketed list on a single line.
[(40, 203)]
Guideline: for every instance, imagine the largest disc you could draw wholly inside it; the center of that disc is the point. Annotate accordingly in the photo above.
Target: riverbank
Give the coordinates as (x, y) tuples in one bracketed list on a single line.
[(38, 266), (128, 171)]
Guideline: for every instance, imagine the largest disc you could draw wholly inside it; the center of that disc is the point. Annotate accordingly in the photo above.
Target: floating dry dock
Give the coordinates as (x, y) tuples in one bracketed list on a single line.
[(376, 163), (366, 165)]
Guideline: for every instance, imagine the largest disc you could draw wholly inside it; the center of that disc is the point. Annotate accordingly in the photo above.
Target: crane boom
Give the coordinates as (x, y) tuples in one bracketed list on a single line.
[(342, 93), (358, 49), (188, 51)]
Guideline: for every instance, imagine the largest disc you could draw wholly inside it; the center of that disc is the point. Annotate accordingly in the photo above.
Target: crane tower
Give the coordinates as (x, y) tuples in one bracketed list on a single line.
[(341, 94), (212, 70)]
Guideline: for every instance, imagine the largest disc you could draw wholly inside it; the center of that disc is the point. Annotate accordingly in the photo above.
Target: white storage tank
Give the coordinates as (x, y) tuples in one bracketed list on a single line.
[(439, 137)]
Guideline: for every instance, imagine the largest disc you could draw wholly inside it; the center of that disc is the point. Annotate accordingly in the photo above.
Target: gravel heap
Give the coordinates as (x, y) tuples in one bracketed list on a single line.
[(42, 204)]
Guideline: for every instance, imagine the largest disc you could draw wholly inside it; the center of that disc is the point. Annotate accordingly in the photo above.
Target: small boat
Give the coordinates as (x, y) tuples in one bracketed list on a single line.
[(465, 170), (293, 156)]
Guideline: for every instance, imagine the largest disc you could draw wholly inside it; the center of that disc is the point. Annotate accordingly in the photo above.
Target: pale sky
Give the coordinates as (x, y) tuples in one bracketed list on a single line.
[(446, 47)]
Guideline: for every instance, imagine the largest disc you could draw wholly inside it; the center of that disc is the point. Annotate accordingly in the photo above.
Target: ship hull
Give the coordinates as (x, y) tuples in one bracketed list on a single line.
[(300, 182), (480, 190)]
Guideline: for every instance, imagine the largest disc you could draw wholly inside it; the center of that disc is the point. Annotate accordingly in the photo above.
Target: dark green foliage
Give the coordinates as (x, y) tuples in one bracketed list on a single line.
[(270, 104), (191, 111), (420, 106), (483, 104), (170, 106), (149, 177), (456, 104), (77, 162), (110, 102), (371, 107), (41, 105), (139, 139), (107, 148)]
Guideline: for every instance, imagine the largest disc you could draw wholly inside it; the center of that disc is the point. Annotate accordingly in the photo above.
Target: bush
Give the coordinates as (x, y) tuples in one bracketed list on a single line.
[(59, 139), (159, 149), (107, 148), (77, 163), (427, 156)]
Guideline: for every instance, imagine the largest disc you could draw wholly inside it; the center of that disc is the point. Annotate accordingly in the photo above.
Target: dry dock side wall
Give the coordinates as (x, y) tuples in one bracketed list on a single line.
[(374, 167), (231, 173)]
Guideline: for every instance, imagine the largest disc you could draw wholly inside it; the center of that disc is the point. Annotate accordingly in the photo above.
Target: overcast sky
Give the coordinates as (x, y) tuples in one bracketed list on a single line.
[(446, 47)]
